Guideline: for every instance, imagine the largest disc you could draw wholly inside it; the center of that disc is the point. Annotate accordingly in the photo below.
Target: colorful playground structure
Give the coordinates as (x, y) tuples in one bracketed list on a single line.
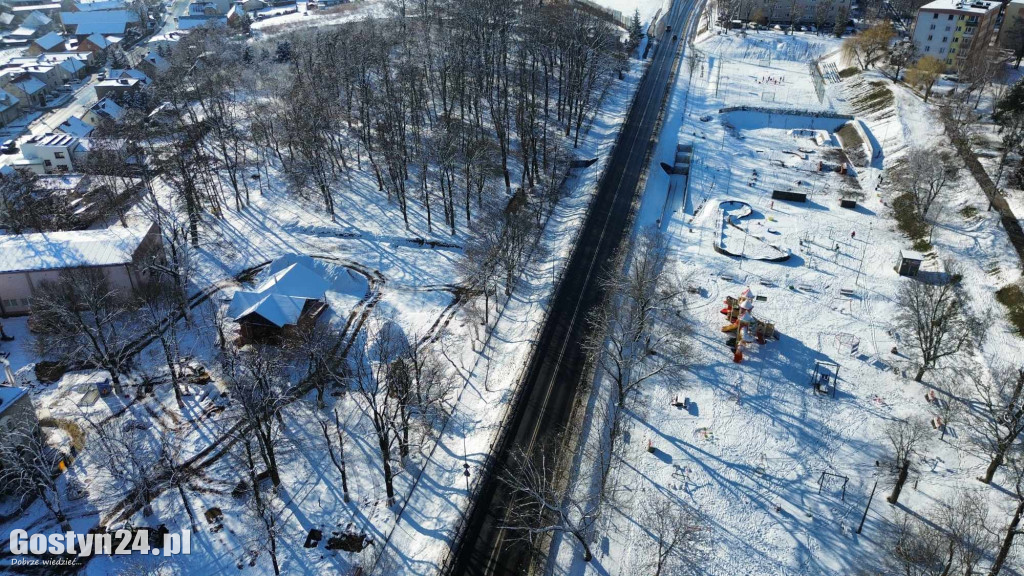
[(740, 314)]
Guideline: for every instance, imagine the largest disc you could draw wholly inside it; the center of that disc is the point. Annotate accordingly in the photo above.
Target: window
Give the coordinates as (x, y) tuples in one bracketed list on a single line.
[(58, 154), (952, 50), (942, 50), (47, 163), (935, 16), (944, 39), (933, 27), (929, 38), (947, 28), (959, 28), (955, 40), (927, 48), (950, 17), (961, 17)]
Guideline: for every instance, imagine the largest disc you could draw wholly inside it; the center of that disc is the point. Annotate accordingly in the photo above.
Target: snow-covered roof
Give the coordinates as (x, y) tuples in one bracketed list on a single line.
[(29, 85), (49, 41), (7, 100), (98, 40), (76, 127), (103, 22), (23, 32), (158, 62), (280, 298), (190, 22), (975, 7), (911, 255), (120, 73), (100, 5), (59, 250), (277, 309), (107, 108), (8, 395), (6, 19), (71, 65), (36, 20), (295, 280)]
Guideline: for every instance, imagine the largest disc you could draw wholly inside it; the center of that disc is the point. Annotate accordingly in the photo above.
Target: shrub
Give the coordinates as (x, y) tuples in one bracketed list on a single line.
[(1012, 297)]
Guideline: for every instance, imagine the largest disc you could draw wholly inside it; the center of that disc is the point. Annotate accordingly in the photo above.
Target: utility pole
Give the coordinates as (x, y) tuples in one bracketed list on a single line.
[(868, 507)]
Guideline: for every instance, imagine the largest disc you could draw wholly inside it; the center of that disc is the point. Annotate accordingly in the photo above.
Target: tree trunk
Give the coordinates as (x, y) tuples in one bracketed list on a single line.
[(994, 465), (900, 480), (920, 374), (587, 556), (1011, 531)]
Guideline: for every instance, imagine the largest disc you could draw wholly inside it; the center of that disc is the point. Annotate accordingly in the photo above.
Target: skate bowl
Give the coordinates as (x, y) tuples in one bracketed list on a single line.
[(733, 240)]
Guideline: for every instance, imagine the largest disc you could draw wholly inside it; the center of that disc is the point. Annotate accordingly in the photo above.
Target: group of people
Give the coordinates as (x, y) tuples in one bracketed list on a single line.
[(772, 80)]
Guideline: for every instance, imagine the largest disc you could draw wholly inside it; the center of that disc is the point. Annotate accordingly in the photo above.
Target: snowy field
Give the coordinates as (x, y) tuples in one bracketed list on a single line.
[(750, 448), (379, 270)]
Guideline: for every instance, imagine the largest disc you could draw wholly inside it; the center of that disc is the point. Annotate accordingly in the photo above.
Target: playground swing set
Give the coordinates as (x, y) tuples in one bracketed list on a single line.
[(825, 378)]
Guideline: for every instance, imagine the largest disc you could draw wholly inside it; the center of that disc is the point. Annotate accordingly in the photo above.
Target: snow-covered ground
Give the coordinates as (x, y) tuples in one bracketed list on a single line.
[(648, 8), (372, 261), (750, 448)]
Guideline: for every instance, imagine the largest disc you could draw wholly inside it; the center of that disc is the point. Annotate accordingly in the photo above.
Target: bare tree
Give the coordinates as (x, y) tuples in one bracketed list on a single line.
[(906, 437), (918, 549), (263, 508), (132, 457), (171, 453), (963, 518), (1013, 528), (82, 319), (337, 457), (927, 174), (30, 468), (680, 534), (544, 502), (371, 380), (1000, 421), (636, 334), (256, 379), (937, 318)]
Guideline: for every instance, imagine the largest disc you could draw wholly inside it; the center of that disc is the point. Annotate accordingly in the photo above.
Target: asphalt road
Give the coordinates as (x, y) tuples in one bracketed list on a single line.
[(558, 361)]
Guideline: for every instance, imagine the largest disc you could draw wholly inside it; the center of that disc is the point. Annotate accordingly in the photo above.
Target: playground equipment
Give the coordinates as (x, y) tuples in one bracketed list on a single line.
[(742, 322), (825, 377)]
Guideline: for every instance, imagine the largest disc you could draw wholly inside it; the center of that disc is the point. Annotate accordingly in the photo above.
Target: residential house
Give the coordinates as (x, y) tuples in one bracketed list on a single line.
[(9, 109), (50, 10), (107, 23), (19, 37), (947, 29), (39, 22), (104, 110), (95, 44), (209, 7), (190, 22), (26, 261), (49, 42), (163, 43), (49, 153), (236, 15), (117, 88), (74, 126), (294, 296), (24, 87), (18, 421), (94, 6), (153, 64)]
